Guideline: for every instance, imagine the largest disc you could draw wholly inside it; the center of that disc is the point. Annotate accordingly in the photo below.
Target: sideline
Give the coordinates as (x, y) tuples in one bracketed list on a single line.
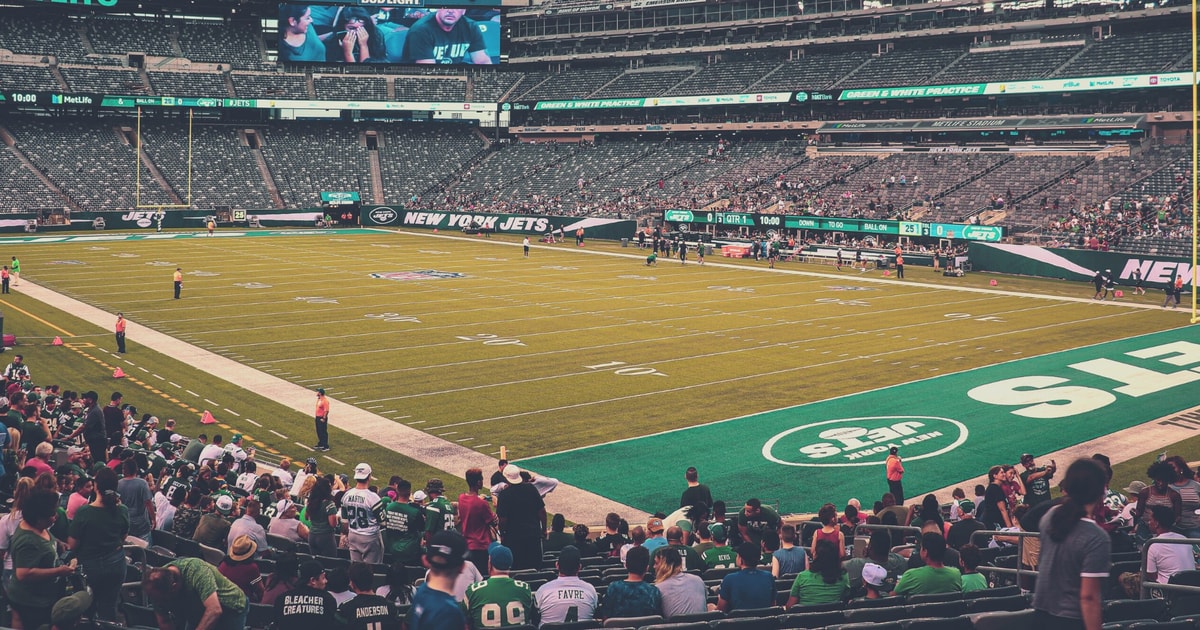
[(584, 507)]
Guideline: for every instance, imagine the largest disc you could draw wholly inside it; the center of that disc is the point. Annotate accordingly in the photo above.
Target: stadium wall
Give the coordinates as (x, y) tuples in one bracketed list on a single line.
[(1075, 264)]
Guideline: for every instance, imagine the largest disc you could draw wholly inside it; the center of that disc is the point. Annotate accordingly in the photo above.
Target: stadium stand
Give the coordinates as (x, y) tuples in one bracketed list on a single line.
[(197, 84), (224, 171), (289, 151), (21, 188), (270, 85), (237, 45), (121, 36), (46, 35), (338, 88), (104, 80), (14, 77)]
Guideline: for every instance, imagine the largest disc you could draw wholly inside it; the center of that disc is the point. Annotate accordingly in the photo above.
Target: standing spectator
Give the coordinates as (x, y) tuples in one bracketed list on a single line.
[(696, 494), (97, 536), (1159, 492), (788, 559), (241, 569), (439, 512), (1036, 480), (93, 428), (120, 333), (1075, 554), (825, 581), (361, 509), (1189, 495), (321, 419), (32, 591), (633, 597), (522, 514), (366, 611), (476, 519), (994, 511), (5, 274), (135, 495), (404, 525), (567, 593), (829, 530), (894, 465), (308, 606), (322, 513), (433, 605), (212, 453), (114, 420), (681, 593), (749, 587), (499, 601)]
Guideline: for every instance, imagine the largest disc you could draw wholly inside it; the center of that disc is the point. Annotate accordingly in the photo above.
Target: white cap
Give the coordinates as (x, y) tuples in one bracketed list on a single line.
[(419, 496), (362, 472), (512, 474), (874, 574), (176, 438)]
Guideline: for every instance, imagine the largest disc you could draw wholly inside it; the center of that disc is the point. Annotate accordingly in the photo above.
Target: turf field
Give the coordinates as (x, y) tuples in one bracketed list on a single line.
[(571, 357)]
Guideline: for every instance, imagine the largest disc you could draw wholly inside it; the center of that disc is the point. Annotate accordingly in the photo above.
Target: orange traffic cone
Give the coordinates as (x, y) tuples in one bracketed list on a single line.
[(118, 373), (57, 341), (887, 273), (993, 283), (207, 418)]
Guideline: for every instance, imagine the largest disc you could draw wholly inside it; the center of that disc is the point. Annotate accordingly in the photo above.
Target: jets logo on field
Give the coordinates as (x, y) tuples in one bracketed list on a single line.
[(424, 274)]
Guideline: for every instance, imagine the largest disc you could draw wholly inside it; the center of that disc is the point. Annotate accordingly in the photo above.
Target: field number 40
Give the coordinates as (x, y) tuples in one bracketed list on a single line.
[(492, 340), (628, 371)]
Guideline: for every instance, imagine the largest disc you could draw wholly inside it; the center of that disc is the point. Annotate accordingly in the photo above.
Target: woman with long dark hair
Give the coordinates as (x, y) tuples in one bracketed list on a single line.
[(97, 537), (321, 511), (283, 579), (298, 40), (1159, 492), (1188, 488), (928, 510), (355, 38), (824, 582), (1075, 554)]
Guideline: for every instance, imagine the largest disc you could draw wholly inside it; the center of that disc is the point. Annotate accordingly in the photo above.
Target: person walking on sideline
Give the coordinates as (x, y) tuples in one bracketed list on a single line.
[(16, 271), (120, 333), (212, 225), (525, 245), (322, 420), (4, 277), (178, 281), (895, 473)]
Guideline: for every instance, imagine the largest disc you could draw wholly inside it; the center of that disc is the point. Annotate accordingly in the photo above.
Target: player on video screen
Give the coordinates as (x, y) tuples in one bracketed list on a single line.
[(355, 39), (298, 40), (446, 36)]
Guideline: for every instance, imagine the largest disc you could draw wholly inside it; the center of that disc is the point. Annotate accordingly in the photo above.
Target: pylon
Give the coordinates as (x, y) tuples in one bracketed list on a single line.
[(57, 341), (118, 373), (207, 418)]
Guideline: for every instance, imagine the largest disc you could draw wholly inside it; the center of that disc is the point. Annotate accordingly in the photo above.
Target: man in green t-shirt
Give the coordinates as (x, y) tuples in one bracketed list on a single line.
[(499, 601), (935, 576), (192, 593), (439, 512), (404, 524), (692, 561), (754, 519), (721, 555)]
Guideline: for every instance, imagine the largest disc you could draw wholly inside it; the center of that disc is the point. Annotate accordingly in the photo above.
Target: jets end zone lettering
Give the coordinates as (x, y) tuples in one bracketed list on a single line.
[(864, 441)]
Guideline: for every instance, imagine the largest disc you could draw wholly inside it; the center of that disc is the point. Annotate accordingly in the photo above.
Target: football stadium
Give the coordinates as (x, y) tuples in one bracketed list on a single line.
[(578, 314)]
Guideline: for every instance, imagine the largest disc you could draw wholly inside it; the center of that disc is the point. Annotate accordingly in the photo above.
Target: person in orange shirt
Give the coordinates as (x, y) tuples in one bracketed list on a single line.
[(322, 420), (895, 473), (212, 225), (899, 266), (178, 281), (4, 277), (120, 333)]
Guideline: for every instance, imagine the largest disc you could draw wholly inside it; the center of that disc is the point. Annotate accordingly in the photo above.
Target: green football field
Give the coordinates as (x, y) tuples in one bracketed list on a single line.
[(572, 357)]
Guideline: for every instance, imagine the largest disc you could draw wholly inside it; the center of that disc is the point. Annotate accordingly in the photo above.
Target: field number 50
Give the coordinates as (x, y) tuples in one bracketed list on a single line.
[(628, 371), (492, 340)]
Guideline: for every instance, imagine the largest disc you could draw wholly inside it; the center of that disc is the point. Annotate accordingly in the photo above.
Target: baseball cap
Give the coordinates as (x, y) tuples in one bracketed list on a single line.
[(362, 472), (500, 556), (873, 574), (74, 450), (966, 506), (1026, 457), (435, 486), (4, 401), (70, 608), (310, 569), (310, 460), (283, 506), (224, 504), (321, 391), (512, 474), (235, 438), (569, 560), (1135, 487), (176, 438), (419, 496), (654, 526), (74, 405), (717, 530), (446, 550)]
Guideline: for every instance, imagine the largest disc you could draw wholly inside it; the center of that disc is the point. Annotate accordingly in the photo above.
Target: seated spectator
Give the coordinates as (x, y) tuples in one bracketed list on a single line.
[(285, 524), (961, 531), (366, 610), (284, 579), (691, 560), (633, 597), (875, 580), (1163, 560), (721, 556), (637, 538), (558, 538), (337, 582), (681, 593), (654, 535), (824, 582), (187, 516), (969, 559), (399, 588), (308, 606), (788, 559), (703, 539), (567, 594), (610, 542), (40, 461), (213, 528), (248, 525), (241, 569), (82, 495), (749, 587), (935, 576), (585, 546), (433, 605)]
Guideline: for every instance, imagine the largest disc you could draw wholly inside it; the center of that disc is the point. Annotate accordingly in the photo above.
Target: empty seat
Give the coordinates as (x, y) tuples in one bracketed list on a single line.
[(991, 604), (1002, 620), (1127, 609), (632, 622), (745, 623), (927, 598), (811, 619), (770, 611), (940, 609), (259, 616), (951, 623), (877, 615)]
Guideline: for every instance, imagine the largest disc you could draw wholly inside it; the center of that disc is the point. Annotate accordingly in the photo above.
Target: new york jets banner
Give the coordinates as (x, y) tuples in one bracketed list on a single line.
[(483, 222), (1076, 264)]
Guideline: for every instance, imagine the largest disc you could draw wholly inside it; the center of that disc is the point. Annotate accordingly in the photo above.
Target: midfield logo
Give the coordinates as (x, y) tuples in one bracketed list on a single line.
[(424, 274), (864, 441)]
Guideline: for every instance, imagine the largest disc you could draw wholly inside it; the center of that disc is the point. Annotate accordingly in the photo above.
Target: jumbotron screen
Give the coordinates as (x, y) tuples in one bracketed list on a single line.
[(348, 34)]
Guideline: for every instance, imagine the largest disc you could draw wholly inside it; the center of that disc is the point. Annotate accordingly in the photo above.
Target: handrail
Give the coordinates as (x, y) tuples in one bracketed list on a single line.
[(1021, 536)]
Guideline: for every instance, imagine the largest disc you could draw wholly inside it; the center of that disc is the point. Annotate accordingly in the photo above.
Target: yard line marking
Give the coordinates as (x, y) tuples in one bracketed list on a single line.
[(278, 433), (212, 402), (233, 412), (417, 422), (466, 439), (750, 376), (375, 407), (62, 331), (334, 460), (159, 377), (254, 423), (484, 445), (173, 383), (447, 433), (399, 417), (144, 369), (305, 447), (192, 392)]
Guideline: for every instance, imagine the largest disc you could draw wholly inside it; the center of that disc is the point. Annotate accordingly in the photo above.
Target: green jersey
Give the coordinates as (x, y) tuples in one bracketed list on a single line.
[(721, 557), (403, 523), (439, 515), (497, 602)]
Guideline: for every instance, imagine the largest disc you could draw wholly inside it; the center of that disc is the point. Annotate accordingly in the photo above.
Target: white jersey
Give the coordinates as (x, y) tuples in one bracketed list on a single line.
[(567, 598), (360, 508)]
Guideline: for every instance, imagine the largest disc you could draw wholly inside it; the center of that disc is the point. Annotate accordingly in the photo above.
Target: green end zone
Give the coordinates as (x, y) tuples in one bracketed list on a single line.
[(949, 428)]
